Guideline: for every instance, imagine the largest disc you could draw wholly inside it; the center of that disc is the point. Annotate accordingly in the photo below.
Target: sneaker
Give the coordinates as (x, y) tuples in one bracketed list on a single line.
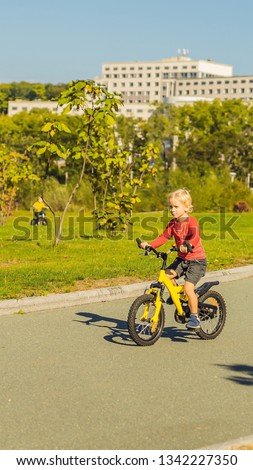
[(193, 323)]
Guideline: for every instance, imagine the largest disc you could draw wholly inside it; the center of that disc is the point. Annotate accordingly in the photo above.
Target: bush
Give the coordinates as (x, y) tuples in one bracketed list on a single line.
[(241, 206)]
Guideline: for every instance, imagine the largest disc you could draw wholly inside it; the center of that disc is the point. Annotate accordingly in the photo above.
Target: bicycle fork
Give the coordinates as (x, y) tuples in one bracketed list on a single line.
[(158, 303)]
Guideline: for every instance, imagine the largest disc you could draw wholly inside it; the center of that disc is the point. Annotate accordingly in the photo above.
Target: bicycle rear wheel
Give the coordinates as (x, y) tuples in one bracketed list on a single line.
[(212, 315), (142, 331)]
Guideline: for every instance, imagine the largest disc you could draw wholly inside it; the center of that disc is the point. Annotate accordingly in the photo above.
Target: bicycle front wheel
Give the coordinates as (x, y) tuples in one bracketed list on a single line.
[(212, 315), (142, 331)]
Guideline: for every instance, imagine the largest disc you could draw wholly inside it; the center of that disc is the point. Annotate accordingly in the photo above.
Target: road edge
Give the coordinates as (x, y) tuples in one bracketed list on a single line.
[(72, 299)]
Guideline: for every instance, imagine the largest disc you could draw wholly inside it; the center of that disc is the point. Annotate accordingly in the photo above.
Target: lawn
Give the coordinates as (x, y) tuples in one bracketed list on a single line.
[(84, 260)]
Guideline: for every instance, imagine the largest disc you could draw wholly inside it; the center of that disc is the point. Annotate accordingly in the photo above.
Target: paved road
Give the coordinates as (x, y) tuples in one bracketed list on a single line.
[(72, 379)]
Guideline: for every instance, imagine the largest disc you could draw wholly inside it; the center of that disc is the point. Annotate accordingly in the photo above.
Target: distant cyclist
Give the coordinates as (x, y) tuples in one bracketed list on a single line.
[(39, 207)]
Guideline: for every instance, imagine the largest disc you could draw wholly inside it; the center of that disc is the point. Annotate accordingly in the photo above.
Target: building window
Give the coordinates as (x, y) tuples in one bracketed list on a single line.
[(156, 83), (242, 90), (157, 74), (165, 75), (226, 91)]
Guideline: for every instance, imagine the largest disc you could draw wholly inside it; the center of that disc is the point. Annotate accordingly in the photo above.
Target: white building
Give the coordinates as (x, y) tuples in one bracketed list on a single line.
[(18, 106), (143, 83), (177, 80)]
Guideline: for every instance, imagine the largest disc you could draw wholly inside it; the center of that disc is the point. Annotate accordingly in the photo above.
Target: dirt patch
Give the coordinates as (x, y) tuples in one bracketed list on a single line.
[(85, 284)]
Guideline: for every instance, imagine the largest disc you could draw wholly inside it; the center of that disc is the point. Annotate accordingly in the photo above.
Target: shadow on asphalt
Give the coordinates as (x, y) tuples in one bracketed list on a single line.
[(245, 373), (117, 331)]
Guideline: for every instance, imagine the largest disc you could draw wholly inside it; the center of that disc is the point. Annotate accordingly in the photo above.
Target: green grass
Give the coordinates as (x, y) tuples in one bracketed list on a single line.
[(30, 266)]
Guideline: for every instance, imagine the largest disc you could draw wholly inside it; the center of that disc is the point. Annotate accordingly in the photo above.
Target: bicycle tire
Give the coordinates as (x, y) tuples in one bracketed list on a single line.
[(212, 315), (140, 330)]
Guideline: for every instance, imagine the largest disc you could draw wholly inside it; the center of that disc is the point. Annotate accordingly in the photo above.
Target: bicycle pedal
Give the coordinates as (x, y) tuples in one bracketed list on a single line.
[(179, 318)]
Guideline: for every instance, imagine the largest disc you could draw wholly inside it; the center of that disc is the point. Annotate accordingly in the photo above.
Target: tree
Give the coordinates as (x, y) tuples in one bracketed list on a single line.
[(96, 105), (15, 168)]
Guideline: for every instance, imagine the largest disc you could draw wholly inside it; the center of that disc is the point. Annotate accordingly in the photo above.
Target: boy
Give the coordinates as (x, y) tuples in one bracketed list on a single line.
[(38, 208), (193, 264)]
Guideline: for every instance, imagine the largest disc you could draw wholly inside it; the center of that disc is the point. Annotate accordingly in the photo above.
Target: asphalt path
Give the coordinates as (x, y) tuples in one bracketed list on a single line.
[(72, 379)]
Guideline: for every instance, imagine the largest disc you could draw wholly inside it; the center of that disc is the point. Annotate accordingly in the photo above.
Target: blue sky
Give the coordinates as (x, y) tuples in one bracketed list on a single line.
[(55, 41)]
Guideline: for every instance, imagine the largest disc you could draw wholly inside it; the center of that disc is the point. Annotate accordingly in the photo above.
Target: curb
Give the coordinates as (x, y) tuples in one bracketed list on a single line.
[(72, 299)]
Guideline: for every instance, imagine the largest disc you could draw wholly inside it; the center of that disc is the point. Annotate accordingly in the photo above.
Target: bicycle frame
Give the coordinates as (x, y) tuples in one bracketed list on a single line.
[(174, 291)]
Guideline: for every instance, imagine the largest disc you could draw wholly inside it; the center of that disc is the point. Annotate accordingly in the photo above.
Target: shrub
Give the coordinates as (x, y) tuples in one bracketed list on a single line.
[(241, 206)]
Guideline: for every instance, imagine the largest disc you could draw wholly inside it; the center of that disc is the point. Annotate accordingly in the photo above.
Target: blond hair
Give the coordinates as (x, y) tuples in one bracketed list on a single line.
[(184, 196)]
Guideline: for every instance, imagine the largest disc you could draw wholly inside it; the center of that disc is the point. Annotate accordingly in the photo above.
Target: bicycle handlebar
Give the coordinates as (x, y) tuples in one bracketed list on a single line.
[(161, 254)]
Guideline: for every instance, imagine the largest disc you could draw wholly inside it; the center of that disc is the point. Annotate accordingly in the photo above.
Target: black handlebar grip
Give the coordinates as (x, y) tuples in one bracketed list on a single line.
[(138, 241), (189, 246)]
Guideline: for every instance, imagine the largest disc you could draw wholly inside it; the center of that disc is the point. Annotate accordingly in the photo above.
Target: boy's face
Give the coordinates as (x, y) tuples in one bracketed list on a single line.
[(178, 208)]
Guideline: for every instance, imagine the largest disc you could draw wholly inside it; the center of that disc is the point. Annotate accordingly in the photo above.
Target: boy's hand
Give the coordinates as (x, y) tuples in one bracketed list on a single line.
[(186, 248), (144, 245)]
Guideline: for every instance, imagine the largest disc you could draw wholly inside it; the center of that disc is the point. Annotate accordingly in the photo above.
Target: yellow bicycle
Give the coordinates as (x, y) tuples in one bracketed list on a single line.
[(146, 316)]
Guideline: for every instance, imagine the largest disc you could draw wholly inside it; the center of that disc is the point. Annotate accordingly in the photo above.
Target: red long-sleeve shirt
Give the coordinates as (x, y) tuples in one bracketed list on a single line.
[(185, 230)]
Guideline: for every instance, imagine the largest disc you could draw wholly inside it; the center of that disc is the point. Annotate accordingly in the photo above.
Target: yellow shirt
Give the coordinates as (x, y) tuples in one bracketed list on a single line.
[(38, 206)]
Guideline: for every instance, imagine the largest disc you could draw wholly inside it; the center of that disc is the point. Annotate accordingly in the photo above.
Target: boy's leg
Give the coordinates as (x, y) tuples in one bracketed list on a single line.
[(194, 273), (192, 298), (171, 275), (194, 322), (175, 270)]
